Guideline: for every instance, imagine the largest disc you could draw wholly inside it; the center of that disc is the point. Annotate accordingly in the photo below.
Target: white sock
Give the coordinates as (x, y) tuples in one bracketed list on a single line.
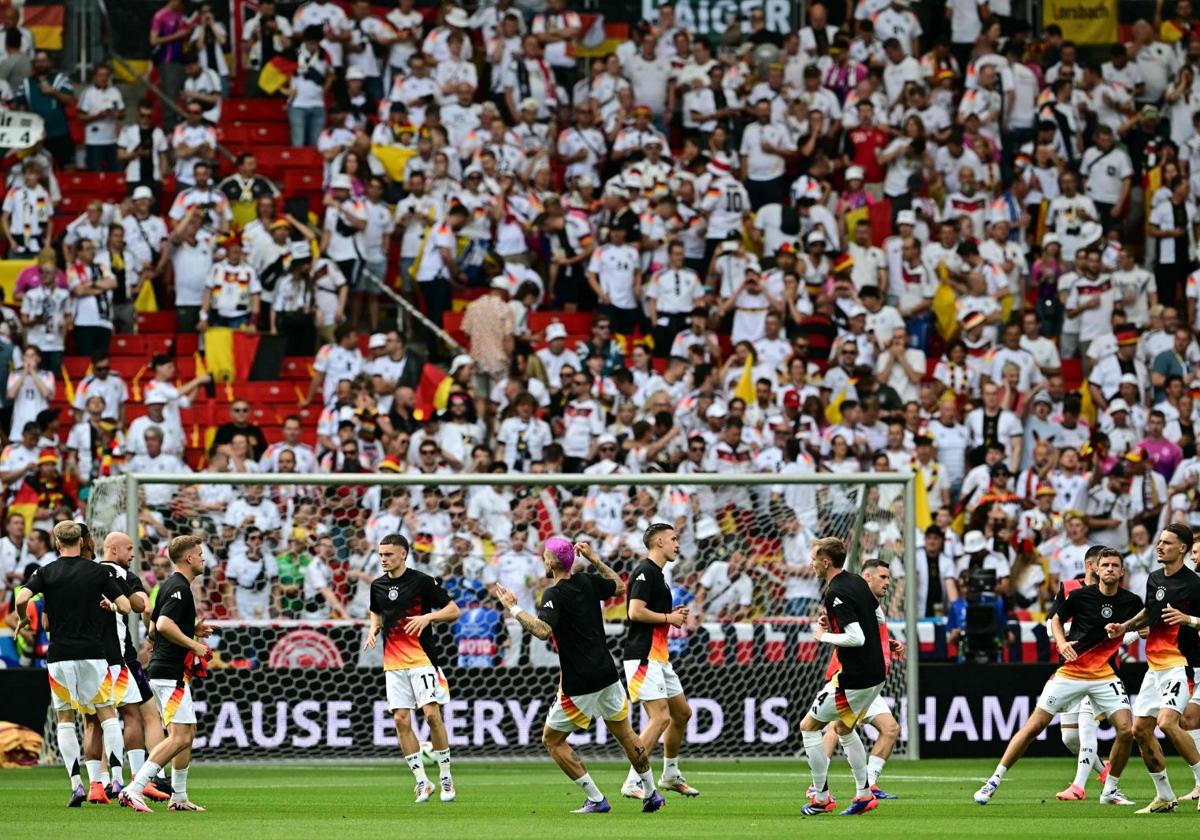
[(1083, 766), (68, 748), (179, 784), (998, 776), (670, 767), (1088, 747), (1110, 784), (443, 760), (93, 770), (589, 788), (647, 783), (143, 777), (818, 762), (114, 747), (136, 759), (875, 768), (1195, 733), (856, 754), (161, 773), (417, 767), (632, 776), (1196, 773), (1162, 787), (1070, 739)]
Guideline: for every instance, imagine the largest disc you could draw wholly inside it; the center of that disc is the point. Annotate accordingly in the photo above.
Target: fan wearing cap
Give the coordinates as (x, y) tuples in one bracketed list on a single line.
[(232, 294), (436, 262), (1148, 491), (725, 202), (589, 687), (615, 275), (203, 195), (342, 232), (1105, 378)]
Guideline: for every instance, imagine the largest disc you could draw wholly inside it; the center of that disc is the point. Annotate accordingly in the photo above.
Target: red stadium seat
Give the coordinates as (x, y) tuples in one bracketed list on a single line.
[(129, 345), (298, 368), (269, 393), (268, 133), (302, 183), (575, 322), (104, 185), (253, 110), (76, 366), (156, 322), (234, 136)]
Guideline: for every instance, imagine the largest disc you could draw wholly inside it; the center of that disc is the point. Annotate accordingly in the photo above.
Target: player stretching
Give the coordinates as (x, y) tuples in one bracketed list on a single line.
[(849, 624), (588, 685), (1172, 650), (404, 602), (648, 671), (172, 663), (1086, 671), (879, 714), (77, 594)]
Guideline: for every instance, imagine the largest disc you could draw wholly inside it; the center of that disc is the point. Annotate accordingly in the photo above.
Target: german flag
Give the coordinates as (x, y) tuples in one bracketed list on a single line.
[(276, 73), (45, 21), (26, 504), (433, 392)]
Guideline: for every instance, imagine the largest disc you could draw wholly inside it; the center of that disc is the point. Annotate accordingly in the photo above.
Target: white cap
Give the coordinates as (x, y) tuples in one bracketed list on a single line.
[(583, 179), (376, 341), (457, 17), (906, 217), (1050, 238), (815, 236), (460, 362), (155, 397), (142, 192), (717, 410), (501, 283), (974, 541), (855, 310), (606, 440), (355, 73), (1117, 405), (555, 330), (301, 251), (341, 182), (854, 173), (529, 102)]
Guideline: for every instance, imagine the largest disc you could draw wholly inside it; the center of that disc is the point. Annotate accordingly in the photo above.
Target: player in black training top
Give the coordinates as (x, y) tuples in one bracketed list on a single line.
[(849, 623), (176, 656), (1087, 671), (79, 599), (404, 602), (588, 685), (648, 672)]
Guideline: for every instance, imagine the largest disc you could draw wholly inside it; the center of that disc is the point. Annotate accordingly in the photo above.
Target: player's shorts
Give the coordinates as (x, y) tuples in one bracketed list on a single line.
[(138, 674), (879, 706), (174, 698), (125, 687), (1169, 688), (84, 685), (413, 688), (849, 705), (1072, 715), (650, 680), (1063, 694), (571, 713)]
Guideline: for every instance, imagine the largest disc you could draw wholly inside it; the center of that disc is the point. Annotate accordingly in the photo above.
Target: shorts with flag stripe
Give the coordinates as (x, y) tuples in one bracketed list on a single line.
[(849, 705), (174, 699), (571, 713), (415, 688), (1064, 694), (125, 689), (1168, 688), (84, 685), (651, 680)]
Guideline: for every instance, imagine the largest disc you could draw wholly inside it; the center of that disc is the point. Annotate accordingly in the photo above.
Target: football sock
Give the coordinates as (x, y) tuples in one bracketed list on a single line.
[(1110, 784), (143, 777), (998, 776), (856, 754), (670, 767), (136, 759), (68, 748), (417, 768), (179, 784), (1083, 766), (632, 776), (1070, 739), (1195, 733), (93, 770), (443, 760), (114, 746), (647, 783), (1162, 787), (1087, 748), (875, 769), (589, 788), (818, 762), (1196, 773)]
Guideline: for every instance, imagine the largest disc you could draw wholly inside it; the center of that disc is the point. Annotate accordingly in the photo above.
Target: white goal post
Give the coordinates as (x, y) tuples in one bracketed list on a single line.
[(292, 682)]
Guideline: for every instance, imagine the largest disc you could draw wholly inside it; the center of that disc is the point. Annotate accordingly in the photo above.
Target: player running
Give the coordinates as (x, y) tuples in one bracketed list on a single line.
[(404, 602), (878, 576), (648, 671), (849, 623), (588, 684), (1086, 671), (78, 596), (1172, 651), (175, 659)]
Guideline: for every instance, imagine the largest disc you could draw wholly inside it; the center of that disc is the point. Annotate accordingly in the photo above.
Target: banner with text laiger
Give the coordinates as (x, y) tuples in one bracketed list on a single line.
[(1083, 21)]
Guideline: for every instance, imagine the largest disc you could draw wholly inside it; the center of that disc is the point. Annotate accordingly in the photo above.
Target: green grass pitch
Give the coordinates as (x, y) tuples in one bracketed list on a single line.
[(739, 799)]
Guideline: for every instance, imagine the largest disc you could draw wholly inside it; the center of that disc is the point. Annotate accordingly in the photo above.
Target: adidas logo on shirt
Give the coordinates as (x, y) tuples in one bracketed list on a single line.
[(837, 602), (177, 595), (642, 576), (548, 605)]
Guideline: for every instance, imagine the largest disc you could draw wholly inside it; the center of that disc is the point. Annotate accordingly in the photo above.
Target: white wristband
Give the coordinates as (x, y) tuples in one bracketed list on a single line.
[(515, 610)]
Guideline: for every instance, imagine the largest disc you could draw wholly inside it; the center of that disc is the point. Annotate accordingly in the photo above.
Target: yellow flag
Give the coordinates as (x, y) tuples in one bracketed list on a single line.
[(745, 387), (1087, 409), (442, 395), (218, 353), (924, 517), (146, 300), (68, 386), (394, 159), (945, 311)]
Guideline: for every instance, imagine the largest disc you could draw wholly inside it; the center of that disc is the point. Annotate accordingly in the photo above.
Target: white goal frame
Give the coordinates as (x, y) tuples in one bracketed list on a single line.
[(133, 481)]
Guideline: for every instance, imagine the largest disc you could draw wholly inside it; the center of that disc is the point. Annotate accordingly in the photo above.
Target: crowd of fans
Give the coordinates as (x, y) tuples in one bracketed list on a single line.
[(850, 247)]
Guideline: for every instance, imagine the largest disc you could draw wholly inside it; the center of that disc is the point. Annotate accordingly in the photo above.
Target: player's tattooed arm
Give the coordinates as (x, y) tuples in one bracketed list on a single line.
[(531, 623), (585, 549), (1136, 623)]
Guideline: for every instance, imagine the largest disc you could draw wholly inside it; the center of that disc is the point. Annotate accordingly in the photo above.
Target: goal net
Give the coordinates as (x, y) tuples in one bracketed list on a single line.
[(290, 560)]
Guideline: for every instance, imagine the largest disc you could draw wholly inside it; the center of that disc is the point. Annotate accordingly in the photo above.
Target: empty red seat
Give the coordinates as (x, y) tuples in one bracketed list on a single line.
[(76, 366), (128, 345), (156, 322), (575, 322), (106, 185), (253, 110), (297, 368), (267, 133), (234, 136), (301, 183)]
